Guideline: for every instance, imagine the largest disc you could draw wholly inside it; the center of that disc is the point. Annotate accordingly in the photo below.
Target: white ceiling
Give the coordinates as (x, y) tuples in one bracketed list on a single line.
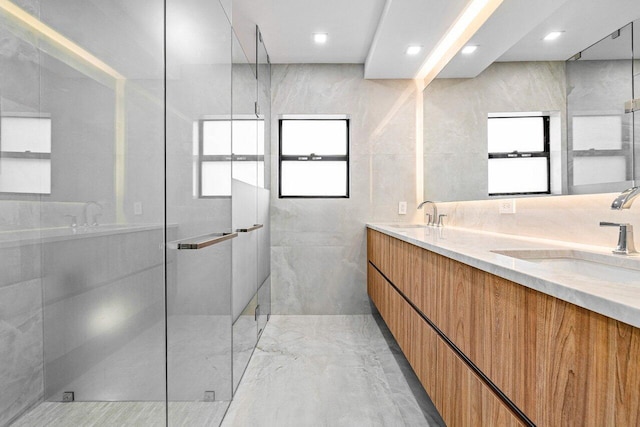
[(377, 32)]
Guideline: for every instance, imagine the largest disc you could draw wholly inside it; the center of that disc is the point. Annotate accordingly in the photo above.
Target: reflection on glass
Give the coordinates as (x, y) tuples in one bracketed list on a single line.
[(597, 132), (596, 170), (512, 176)]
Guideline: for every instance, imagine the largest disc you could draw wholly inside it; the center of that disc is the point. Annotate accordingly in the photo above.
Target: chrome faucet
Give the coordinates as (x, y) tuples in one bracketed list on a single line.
[(85, 218), (432, 218), (625, 238), (626, 245), (626, 198)]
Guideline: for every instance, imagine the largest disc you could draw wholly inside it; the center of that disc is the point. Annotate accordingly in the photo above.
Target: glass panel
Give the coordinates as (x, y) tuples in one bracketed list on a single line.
[(246, 171), (598, 85), (245, 275), (595, 170), (216, 137), (597, 132), (523, 175), (216, 179), (321, 137), (245, 133), (25, 176), (199, 323), (313, 178), (264, 259), (508, 134), (22, 134), (95, 102)]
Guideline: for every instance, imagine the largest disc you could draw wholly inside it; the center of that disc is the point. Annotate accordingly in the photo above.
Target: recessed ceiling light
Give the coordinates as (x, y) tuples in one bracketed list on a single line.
[(320, 38), (413, 50), (553, 35), (469, 49)]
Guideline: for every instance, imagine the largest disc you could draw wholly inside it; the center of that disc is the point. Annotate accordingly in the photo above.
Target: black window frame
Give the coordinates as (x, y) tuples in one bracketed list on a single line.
[(528, 154), (312, 157)]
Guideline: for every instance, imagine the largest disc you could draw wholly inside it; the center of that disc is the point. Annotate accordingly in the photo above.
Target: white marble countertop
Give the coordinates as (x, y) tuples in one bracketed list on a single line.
[(615, 298)]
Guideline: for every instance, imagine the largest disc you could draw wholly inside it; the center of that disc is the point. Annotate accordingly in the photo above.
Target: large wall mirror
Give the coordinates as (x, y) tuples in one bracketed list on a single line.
[(529, 123)]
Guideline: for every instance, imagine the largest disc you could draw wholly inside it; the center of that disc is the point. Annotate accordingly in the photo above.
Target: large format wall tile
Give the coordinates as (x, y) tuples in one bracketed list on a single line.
[(318, 246), (20, 348)]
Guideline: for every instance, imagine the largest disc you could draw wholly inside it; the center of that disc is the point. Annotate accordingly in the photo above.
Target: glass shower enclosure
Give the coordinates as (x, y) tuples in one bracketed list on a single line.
[(134, 201)]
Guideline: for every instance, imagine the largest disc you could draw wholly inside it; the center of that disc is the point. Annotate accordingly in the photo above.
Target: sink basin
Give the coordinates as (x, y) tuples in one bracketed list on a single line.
[(408, 225), (610, 268)]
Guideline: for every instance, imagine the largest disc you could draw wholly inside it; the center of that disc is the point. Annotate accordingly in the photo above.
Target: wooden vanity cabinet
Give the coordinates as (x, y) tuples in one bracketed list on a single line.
[(557, 363)]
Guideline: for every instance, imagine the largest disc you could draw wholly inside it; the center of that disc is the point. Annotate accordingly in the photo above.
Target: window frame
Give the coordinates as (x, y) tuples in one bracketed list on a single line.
[(202, 158), (30, 155), (311, 158), (546, 120)]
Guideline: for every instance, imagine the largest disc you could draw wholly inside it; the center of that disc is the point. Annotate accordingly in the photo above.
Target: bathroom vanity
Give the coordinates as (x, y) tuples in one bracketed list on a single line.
[(500, 337)]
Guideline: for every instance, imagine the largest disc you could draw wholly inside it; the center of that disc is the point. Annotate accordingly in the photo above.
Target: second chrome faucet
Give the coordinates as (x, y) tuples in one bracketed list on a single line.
[(434, 219)]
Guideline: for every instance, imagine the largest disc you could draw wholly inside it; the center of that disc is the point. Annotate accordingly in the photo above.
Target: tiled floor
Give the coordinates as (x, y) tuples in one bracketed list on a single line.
[(329, 371), (306, 371)]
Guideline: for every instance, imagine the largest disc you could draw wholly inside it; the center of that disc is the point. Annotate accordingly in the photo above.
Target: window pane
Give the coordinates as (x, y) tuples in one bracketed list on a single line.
[(22, 134), (216, 178), (314, 178), (598, 132), (245, 134), (528, 175), (322, 137), (598, 170), (216, 137), (25, 176), (509, 134), (246, 171)]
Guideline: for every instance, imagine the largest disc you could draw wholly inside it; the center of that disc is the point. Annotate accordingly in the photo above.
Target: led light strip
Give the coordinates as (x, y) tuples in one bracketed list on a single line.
[(468, 22)]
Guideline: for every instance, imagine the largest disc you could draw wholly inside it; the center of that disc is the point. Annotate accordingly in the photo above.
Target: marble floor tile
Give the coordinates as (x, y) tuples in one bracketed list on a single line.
[(124, 414), (306, 371), (329, 371)]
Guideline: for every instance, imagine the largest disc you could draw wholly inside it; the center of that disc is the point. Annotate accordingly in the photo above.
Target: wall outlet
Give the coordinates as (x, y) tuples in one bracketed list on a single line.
[(508, 206), (137, 208), (402, 208)]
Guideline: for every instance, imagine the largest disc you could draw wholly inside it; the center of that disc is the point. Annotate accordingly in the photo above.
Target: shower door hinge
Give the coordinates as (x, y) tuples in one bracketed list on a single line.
[(260, 37), (209, 396), (257, 108), (68, 396), (257, 312)]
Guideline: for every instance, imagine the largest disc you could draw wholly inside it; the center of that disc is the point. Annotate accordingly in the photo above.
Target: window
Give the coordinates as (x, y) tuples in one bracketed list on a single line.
[(25, 154), (217, 162), (600, 149), (314, 157), (519, 160)]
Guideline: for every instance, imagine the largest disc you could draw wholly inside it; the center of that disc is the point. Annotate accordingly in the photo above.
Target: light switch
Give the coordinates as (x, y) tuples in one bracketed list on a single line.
[(137, 208), (402, 208)]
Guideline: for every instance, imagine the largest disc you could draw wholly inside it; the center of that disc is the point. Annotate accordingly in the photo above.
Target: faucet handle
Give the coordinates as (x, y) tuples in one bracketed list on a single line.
[(94, 223), (626, 245), (428, 215), (440, 218)]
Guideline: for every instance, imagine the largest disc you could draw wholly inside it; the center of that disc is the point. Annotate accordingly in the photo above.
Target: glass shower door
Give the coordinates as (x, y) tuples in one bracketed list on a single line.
[(198, 204), (244, 207), (264, 171)]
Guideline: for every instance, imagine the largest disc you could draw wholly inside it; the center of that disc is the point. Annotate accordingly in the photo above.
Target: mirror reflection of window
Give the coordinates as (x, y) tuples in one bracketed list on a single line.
[(25, 153), (519, 155)]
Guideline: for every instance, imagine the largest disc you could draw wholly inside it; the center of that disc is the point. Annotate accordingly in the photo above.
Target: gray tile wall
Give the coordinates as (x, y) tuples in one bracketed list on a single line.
[(319, 245)]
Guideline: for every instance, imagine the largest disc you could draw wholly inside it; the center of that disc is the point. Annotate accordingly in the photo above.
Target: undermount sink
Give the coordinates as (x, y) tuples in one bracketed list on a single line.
[(610, 268), (408, 225)]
